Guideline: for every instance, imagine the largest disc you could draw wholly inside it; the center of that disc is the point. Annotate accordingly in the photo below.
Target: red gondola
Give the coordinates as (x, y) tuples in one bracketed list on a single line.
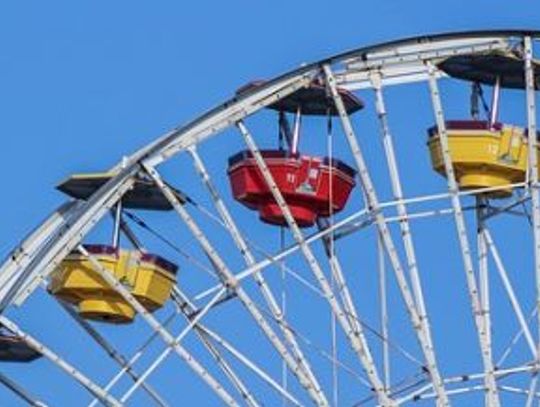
[(312, 186), (307, 184)]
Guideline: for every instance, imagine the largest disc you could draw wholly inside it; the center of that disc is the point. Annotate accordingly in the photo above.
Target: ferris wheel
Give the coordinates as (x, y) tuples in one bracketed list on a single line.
[(364, 230)]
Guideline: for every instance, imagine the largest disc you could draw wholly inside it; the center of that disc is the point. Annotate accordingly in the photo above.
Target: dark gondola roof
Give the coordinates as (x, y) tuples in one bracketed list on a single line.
[(313, 100), (486, 67), (143, 195), (15, 349)]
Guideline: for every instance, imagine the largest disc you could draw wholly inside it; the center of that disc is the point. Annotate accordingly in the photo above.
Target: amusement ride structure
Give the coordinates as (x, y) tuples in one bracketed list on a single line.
[(304, 185)]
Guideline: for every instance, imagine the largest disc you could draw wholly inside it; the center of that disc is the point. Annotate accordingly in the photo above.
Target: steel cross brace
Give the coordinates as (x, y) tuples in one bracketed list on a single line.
[(111, 351), (479, 317), (20, 392), (249, 259), (156, 326), (92, 387), (401, 208), (208, 336), (230, 281), (356, 338), (373, 203)]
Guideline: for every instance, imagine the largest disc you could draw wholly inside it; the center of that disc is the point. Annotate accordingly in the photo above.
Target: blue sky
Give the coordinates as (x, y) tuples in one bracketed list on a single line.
[(84, 83)]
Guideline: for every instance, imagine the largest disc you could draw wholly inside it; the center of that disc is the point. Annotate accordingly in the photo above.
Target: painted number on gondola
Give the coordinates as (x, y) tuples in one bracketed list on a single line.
[(291, 178), (493, 149)]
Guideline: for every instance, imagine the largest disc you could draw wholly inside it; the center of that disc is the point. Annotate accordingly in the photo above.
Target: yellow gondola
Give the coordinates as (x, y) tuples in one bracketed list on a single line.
[(149, 278), (483, 156)]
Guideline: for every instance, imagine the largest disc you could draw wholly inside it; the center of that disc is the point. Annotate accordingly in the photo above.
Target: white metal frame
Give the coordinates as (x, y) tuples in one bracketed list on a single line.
[(375, 68), (72, 371), (373, 203), (479, 316), (229, 281)]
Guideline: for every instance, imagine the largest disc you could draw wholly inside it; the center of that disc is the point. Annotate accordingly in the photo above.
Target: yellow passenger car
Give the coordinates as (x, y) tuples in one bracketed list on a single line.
[(483, 156), (148, 277)]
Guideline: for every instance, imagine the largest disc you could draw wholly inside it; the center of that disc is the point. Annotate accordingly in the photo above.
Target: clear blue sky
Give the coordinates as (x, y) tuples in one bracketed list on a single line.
[(83, 83)]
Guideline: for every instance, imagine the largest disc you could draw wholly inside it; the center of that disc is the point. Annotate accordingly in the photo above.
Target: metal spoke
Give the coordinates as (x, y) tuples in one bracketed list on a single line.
[(501, 373), (479, 318), (356, 337), (113, 353), (12, 282), (251, 365), (384, 309), (157, 361), (483, 275), (533, 165), (373, 203), (229, 280), (70, 233), (401, 208), (515, 339), (136, 356), (249, 259), (395, 374), (532, 390), (20, 392), (156, 326), (188, 310), (509, 289), (44, 261), (342, 288), (207, 335), (341, 229), (76, 374)]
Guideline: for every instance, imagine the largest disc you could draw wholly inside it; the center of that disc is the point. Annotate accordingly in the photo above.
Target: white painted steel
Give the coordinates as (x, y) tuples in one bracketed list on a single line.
[(249, 259), (72, 371), (133, 359), (229, 281), (355, 336), (14, 273), (160, 329), (20, 391), (479, 318), (418, 324), (397, 63), (185, 307), (383, 293), (509, 290), (159, 359), (112, 352)]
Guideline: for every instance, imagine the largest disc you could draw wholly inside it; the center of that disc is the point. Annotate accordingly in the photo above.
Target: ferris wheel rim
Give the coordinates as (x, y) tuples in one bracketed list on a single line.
[(128, 167), (151, 155)]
